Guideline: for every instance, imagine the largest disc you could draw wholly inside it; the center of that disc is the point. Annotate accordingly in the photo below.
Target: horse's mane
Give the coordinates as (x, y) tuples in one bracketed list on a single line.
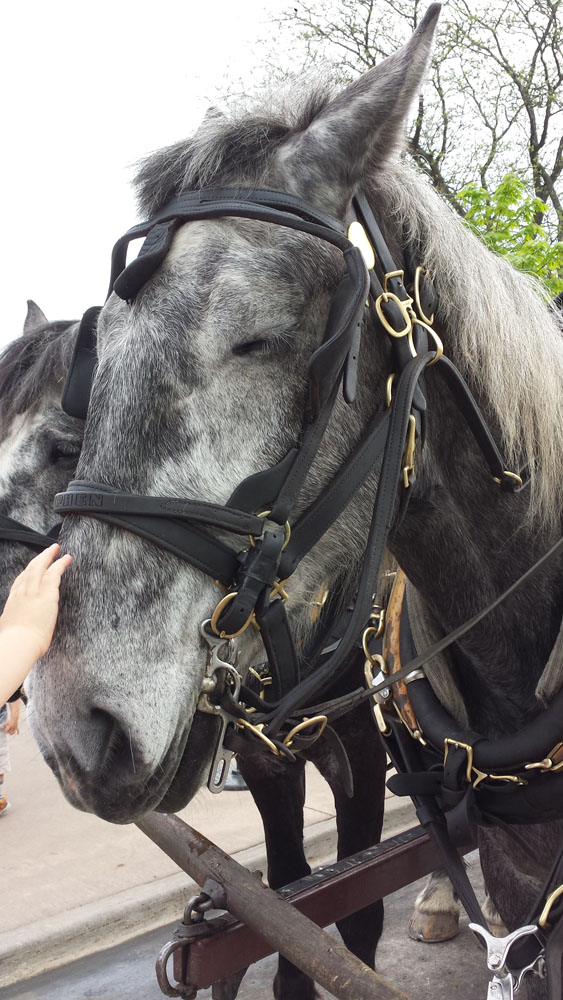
[(31, 365), (500, 330)]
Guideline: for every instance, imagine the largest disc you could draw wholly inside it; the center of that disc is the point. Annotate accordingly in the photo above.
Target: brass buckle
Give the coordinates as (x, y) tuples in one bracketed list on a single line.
[(462, 746)]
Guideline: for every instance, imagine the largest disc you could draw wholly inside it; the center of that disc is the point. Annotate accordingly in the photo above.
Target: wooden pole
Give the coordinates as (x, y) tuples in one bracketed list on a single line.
[(313, 951)]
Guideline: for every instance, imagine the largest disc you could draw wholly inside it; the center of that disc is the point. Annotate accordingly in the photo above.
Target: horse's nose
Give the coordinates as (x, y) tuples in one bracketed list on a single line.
[(102, 750)]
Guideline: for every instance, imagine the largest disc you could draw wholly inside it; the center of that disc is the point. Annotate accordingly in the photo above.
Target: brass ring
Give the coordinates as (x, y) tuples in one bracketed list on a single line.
[(386, 296), (257, 731), (437, 342), (511, 475), (321, 720), (417, 274), (286, 529), (219, 609)]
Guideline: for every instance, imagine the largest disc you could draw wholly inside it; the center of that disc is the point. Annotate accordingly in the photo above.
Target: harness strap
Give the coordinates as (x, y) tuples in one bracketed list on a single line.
[(15, 531), (99, 499), (380, 525)]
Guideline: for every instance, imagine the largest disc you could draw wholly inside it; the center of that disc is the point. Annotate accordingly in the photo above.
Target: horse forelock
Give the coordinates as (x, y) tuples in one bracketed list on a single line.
[(31, 366), (231, 148)]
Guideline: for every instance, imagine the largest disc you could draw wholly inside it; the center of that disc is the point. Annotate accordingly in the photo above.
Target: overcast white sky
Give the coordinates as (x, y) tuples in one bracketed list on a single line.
[(88, 88)]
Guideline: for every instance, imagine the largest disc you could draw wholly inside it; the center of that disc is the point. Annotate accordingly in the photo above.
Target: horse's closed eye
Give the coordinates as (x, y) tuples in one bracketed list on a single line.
[(65, 451), (251, 347)]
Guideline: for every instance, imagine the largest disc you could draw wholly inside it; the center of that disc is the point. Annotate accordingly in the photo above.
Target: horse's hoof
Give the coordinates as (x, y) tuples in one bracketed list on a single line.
[(433, 927)]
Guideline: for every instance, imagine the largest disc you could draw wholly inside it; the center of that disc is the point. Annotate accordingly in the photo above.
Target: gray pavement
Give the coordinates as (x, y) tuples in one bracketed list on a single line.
[(75, 886)]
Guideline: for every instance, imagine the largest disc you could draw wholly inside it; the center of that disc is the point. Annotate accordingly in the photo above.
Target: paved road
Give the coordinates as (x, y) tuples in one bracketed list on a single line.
[(440, 972)]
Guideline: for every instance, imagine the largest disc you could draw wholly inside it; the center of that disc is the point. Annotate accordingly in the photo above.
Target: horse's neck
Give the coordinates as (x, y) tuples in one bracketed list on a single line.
[(461, 544)]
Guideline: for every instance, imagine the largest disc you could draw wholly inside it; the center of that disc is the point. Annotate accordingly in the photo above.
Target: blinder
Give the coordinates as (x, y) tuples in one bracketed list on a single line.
[(76, 392)]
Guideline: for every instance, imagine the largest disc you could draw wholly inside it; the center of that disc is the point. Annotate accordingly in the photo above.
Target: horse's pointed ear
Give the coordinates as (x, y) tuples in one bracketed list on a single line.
[(364, 123), (35, 317)]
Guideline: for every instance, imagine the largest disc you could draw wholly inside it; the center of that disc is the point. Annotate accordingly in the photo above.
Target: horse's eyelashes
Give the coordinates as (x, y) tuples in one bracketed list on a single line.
[(251, 347), (65, 450)]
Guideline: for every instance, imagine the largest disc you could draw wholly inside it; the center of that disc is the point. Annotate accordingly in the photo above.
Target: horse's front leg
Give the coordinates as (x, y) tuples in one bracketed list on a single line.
[(278, 789), (359, 819)]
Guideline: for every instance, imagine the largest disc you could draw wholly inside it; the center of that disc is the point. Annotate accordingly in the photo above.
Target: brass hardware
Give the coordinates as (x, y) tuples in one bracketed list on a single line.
[(421, 271), (320, 720), (416, 733), (482, 775), (553, 896), (389, 388), (286, 528), (547, 763), (216, 614), (384, 729), (408, 457), (437, 343), (462, 746), (264, 682), (511, 475), (377, 616), (258, 731), (279, 589), (390, 296), (321, 597), (358, 237), (394, 274), (372, 632), (471, 769)]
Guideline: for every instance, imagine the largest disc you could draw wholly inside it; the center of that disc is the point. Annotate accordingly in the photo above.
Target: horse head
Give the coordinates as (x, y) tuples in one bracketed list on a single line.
[(40, 442), (202, 382)]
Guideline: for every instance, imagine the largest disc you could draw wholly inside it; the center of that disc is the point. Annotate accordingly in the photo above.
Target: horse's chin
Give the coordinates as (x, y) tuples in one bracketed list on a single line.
[(169, 791)]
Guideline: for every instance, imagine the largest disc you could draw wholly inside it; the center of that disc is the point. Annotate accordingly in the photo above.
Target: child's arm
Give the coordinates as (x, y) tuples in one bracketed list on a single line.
[(28, 620), (11, 727)]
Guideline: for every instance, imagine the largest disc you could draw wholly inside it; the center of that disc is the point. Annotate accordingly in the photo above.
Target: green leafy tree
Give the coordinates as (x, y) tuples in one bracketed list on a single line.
[(506, 220), (493, 103)]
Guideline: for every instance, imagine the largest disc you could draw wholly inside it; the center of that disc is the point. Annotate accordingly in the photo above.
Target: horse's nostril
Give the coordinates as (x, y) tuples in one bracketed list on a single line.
[(115, 746)]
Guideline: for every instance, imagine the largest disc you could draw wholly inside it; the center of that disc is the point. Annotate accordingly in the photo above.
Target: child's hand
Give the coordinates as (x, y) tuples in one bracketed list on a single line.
[(33, 601), (11, 727)]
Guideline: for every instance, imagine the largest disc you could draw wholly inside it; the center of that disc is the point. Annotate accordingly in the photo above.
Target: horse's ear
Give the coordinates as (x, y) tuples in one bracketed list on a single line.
[(365, 122), (35, 317)]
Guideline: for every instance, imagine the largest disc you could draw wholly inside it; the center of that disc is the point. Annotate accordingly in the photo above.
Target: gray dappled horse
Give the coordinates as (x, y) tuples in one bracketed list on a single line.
[(200, 383), (38, 455)]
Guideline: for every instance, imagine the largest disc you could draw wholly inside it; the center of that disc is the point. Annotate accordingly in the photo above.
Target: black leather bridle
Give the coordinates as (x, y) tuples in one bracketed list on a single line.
[(255, 576)]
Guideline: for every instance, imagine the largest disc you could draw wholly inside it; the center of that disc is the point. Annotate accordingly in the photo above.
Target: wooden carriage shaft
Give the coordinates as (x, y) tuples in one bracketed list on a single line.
[(324, 896), (327, 895), (285, 929)]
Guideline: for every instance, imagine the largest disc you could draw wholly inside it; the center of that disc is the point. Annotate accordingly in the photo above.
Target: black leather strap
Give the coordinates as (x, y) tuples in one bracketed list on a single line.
[(76, 392), (15, 531), (82, 496)]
